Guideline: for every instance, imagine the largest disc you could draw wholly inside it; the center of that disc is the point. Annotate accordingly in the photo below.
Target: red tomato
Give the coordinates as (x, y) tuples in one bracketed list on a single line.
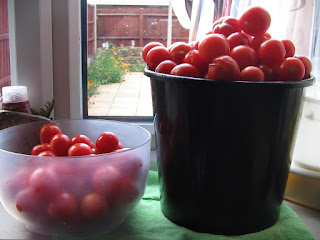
[(117, 188), (40, 148), (212, 46), (269, 74), (64, 205), (186, 70), (226, 26), (47, 153), (165, 66), (291, 69), (80, 139), (290, 48), (156, 55), (308, 66), (255, 21), (233, 22), (120, 146), (65, 172), (18, 180), (193, 57), (266, 34), (244, 56), (224, 68), (60, 144), (107, 142), (147, 47), (238, 38), (130, 165), (44, 182), (79, 149), (272, 52), (252, 73), (47, 131), (178, 51), (225, 29), (93, 206), (30, 205), (194, 45), (256, 42)]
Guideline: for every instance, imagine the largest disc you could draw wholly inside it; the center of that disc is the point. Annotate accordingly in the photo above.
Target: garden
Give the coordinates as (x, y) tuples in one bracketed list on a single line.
[(111, 64)]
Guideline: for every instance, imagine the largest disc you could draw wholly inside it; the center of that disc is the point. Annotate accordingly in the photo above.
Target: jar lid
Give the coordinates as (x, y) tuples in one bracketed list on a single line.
[(14, 94)]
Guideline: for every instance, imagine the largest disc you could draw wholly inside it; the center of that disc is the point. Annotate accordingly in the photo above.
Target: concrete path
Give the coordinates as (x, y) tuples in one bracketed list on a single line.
[(131, 97)]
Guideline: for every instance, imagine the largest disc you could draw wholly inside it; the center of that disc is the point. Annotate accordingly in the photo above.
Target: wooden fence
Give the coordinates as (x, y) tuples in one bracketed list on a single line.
[(136, 25), (5, 79)]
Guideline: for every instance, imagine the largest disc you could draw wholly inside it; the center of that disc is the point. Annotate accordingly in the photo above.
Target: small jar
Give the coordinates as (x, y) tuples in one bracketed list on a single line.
[(15, 98)]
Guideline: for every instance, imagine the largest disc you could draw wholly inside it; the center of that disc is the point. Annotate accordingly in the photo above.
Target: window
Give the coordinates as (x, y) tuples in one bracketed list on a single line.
[(116, 34)]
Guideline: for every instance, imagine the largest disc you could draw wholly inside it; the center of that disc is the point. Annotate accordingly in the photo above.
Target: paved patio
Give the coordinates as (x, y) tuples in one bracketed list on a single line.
[(131, 97)]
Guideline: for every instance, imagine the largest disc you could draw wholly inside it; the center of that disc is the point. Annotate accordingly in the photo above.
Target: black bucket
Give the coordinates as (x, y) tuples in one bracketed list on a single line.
[(224, 150)]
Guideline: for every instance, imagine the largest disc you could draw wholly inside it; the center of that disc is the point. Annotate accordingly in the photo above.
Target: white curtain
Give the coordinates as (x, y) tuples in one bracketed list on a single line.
[(290, 19)]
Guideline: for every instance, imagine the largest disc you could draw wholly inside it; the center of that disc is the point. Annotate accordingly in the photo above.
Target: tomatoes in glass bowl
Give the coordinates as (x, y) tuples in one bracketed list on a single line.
[(66, 195)]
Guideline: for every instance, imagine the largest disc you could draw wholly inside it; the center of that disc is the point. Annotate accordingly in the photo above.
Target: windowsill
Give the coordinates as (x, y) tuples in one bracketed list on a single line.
[(15, 230)]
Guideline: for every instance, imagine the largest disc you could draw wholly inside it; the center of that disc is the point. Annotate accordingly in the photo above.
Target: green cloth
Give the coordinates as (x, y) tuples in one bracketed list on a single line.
[(146, 222)]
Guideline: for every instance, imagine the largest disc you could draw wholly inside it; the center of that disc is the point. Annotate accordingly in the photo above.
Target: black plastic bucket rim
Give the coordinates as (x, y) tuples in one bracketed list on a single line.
[(178, 79)]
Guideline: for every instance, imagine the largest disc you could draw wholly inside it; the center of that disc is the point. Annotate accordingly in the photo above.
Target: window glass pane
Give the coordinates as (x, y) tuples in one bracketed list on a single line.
[(116, 35)]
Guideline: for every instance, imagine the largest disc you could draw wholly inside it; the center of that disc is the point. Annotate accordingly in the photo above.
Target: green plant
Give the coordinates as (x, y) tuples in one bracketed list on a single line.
[(107, 67)]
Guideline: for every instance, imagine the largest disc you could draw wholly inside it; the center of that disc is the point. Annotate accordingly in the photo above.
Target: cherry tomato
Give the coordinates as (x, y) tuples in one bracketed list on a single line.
[(80, 138), (186, 70), (269, 74), (178, 51), (268, 35), (93, 206), (193, 57), (225, 29), (40, 148), (238, 38), (18, 180), (79, 149), (291, 69), (194, 45), (255, 21), (64, 205), (244, 55), (252, 73), (212, 46), (130, 165), (107, 142), (47, 153), (224, 68), (29, 205), (120, 146), (65, 172), (117, 188), (272, 52), (47, 131), (256, 42), (147, 47), (165, 66), (290, 48), (233, 22), (308, 66), (60, 144), (44, 182), (156, 55)]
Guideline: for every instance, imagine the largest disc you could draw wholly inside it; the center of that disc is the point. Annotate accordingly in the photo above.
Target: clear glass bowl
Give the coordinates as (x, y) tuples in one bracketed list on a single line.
[(37, 190)]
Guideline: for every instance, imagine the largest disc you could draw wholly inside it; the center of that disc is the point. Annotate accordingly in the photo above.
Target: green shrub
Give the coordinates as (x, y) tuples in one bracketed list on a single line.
[(107, 67)]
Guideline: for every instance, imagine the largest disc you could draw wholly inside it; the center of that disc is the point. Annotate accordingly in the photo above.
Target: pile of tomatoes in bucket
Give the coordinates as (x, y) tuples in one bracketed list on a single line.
[(235, 50)]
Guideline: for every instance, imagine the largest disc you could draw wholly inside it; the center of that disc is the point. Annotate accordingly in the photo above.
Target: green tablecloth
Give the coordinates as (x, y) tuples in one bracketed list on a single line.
[(146, 222)]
